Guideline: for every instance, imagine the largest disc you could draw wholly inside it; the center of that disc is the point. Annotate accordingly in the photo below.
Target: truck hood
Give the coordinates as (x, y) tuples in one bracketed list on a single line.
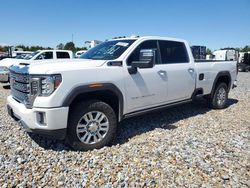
[(9, 61), (57, 66)]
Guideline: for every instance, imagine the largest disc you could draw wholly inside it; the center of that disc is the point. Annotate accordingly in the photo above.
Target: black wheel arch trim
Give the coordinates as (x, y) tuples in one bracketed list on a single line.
[(222, 73), (84, 89)]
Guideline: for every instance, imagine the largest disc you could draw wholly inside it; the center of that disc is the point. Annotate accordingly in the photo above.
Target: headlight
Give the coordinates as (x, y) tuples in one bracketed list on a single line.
[(3, 68), (45, 85)]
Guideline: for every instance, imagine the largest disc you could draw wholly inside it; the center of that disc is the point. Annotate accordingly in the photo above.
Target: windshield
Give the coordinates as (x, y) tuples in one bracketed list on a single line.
[(107, 50), (29, 56), (22, 56)]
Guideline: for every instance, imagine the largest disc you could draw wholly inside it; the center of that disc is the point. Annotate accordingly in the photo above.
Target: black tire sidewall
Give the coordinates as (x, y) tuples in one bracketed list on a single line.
[(77, 112)]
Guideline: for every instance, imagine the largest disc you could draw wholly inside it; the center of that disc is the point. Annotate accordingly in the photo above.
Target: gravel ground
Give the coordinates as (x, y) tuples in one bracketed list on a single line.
[(185, 146)]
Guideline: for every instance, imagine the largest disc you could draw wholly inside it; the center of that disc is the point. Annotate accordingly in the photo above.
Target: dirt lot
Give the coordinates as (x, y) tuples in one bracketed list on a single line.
[(185, 146)]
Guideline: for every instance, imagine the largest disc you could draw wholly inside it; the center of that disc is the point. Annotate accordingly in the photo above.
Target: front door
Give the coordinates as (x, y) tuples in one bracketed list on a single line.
[(147, 87)]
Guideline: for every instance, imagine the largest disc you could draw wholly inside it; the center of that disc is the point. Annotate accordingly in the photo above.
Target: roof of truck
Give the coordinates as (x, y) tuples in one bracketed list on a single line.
[(151, 37), (55, 50)]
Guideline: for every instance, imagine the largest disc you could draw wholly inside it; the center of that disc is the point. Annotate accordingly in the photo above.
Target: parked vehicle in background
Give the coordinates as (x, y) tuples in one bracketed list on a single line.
[(241, 57), (244, 65), (20, 53), (199, 52), (93, 43), (209, 57), (83, 101), (38, 56), (79, 53), (3, 55), (225, 55), (15, 51)]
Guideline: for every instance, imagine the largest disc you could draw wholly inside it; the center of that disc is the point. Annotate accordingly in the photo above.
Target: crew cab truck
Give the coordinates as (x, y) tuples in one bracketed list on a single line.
[(35, 57), (83, 102)]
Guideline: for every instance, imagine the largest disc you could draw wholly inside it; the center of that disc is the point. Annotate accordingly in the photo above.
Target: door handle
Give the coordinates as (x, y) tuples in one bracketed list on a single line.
[(191, 70), (162, 73)]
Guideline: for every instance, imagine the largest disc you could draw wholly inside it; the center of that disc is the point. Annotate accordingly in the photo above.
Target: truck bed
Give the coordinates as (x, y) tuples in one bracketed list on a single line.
[(210, 69)]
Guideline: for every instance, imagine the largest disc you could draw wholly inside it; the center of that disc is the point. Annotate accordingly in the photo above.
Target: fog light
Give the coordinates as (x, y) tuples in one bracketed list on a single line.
[(41, 118)]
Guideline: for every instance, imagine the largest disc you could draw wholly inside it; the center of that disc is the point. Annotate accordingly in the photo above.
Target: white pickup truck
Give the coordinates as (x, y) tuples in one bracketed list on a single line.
[(36, 57), (82, 102)]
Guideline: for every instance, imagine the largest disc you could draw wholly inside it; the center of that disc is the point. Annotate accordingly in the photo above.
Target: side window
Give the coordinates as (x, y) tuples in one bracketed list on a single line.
[(62, 55), (149, 44), (173, 52), (45, 55)]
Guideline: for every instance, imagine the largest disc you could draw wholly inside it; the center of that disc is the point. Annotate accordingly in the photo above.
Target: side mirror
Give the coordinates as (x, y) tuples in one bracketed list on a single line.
[(147, 59), (40, 57)]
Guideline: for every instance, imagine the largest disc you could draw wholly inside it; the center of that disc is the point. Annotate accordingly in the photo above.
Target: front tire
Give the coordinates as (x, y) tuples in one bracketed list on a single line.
[(219, 97), (92, 125)]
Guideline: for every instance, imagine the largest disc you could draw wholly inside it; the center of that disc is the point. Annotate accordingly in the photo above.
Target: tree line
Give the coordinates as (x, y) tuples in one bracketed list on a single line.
[(69, 46), (61, 46)]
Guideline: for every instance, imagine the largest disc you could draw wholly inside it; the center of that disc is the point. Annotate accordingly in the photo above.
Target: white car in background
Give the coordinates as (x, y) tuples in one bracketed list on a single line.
[(38, 56), (19, 53)]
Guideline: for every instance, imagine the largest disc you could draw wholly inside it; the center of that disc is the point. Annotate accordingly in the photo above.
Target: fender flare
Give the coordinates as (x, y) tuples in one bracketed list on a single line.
[(84, 89), (222, 73)]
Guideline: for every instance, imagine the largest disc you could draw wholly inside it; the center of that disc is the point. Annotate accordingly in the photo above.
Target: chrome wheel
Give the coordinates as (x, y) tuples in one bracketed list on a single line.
[(221, 96), (92, 127)]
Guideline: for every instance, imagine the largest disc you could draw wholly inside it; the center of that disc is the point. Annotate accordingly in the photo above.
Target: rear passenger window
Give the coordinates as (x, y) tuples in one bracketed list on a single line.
[(173, 52), (149, 44), (62, 55)]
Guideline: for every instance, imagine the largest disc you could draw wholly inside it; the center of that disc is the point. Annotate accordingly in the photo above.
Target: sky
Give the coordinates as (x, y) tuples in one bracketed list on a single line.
[(213, 23)]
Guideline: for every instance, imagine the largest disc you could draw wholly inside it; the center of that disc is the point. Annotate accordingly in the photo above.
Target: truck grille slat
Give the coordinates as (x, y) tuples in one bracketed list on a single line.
[(20, 96), (21, 87), (20, 84), (20, 78)]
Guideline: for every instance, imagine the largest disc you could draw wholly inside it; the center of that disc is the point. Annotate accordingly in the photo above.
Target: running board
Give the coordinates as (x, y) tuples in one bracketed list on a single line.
[(145, 111)]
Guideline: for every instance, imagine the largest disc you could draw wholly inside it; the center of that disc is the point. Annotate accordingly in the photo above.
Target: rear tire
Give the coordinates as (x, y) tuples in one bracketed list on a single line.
[(92, 125), (218, 99)]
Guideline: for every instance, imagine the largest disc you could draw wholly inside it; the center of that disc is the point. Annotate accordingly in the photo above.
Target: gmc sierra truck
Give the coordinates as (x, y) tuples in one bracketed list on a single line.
[(82, 102), (35, 57)]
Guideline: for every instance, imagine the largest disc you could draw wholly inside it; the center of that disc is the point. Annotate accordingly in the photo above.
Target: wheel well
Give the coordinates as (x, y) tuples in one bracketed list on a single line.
[(224, 79), (106, 96)]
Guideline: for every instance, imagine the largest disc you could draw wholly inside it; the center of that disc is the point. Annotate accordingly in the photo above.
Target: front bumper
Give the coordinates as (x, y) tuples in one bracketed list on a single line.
[(4, 76), (52, 123)]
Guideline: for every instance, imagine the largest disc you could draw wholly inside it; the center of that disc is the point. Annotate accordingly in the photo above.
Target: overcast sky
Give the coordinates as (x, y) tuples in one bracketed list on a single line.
[(214, 23)]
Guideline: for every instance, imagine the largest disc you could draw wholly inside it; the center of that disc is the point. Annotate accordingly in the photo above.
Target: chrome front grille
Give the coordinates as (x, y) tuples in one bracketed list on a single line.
[(22, 78), (20, 87), (20, 96)]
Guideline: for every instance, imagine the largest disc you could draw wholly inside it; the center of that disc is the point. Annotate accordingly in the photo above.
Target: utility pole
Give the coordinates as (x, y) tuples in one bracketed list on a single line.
[(72, 38)]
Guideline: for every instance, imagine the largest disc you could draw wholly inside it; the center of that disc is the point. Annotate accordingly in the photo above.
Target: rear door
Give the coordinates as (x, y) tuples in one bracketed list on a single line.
[(180, 70)]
